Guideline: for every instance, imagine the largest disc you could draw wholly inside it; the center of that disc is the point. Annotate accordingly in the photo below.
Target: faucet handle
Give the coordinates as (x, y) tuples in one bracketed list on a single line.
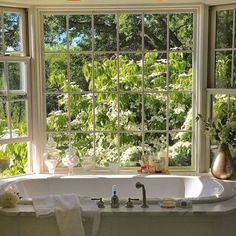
[(129, 203), (100, 202)]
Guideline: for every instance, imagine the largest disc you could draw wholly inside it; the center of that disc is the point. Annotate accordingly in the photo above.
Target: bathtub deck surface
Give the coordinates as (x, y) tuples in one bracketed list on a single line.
[(219, 208)]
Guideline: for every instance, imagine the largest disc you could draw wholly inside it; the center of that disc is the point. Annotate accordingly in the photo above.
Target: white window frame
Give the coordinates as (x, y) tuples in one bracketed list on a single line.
[(199, 163)]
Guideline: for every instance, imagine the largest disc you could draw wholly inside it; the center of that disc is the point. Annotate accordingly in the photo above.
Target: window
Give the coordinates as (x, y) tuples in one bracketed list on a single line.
[(14, 93), (222, 84), (117, 85)]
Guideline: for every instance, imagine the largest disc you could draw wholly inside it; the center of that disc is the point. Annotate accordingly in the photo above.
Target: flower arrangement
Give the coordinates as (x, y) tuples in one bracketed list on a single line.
[(221, 130)]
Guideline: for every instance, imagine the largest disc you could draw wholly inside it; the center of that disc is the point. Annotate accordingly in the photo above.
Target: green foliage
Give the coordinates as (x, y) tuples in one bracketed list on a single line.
[(17, 154), (221, 129), (130, 105), (90, 110)]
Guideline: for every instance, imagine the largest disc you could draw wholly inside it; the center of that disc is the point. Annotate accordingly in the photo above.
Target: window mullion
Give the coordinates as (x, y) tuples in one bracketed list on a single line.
[(68, 76), (167, 84), (8, 103), (142, 84), (3, 34), (118, 84), (233, 41), (93, 93)]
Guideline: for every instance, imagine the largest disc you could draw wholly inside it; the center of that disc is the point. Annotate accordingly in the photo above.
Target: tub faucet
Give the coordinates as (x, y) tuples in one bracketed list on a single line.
[(140, 185)]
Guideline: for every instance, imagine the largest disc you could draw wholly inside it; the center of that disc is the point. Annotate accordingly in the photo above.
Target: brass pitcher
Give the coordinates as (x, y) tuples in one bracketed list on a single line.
[(223, 165)]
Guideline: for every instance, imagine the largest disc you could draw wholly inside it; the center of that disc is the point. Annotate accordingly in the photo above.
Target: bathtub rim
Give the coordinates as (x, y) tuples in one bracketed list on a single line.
[(195, 200)]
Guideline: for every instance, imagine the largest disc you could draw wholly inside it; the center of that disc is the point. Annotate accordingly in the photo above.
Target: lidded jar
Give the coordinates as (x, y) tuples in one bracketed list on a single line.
[(70, 160), (51, 155)]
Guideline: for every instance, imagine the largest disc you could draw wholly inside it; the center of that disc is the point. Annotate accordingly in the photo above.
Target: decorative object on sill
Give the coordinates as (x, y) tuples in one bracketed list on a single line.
[(51, 165), (163, 157), (151, 164), (114, 168), (8, 200), (70, 160), (51, 155), (223, 165), (87, 163), (222, 131)]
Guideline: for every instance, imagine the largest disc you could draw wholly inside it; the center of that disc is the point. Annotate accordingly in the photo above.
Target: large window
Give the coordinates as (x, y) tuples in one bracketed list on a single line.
[(222, 83), (14, 99), (120, 85)]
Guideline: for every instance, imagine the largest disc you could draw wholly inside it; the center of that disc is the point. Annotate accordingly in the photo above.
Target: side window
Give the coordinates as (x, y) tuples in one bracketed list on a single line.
[(222, 84), (14, 100)]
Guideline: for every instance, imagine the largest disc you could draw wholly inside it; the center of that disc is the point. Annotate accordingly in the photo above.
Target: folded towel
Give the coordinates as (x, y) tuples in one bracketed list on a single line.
[(92, 212), (68, 209)]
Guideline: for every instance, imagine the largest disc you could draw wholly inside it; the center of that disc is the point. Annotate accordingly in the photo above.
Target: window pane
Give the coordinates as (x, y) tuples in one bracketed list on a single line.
[(4, 130), (180, 71), (131, 149), (83, 144), (180, 149), (155, 71), (222, 106), (155, 142), (234, 72), (155, 111), (223, 115), (3, 86), (106, 148), (18, 118), (106, 112), (180, 111), (80, 32), (81, 72), (105, 72), (130, 31), (105, 32), (181, 31), (17, 156), (81, 111), (155, 32), (235, 30), (55, 34), (16, 73), (56, 72), (1, 35), (57, 112), (224, 29), (131, 112), (223, 69), (12, 37), (130, 70)]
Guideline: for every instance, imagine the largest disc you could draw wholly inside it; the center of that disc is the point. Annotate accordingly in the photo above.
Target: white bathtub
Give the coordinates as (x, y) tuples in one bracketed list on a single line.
[(207, 219), (198, 189)]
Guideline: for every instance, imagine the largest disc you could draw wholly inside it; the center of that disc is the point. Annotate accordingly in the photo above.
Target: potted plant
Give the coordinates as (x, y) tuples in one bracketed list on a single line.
[(223, 132)]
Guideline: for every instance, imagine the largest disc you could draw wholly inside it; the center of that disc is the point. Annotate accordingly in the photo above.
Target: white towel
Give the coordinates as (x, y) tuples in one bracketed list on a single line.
[(67, 209), (68, 215), (91, 212), (43, 205)]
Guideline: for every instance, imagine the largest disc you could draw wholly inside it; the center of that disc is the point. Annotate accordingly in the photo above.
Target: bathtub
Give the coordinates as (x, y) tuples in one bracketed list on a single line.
[(199, 189), (213, 209)]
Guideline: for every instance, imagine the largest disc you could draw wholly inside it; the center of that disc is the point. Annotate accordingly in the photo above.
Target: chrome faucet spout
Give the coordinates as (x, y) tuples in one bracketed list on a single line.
[(140, 185)]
